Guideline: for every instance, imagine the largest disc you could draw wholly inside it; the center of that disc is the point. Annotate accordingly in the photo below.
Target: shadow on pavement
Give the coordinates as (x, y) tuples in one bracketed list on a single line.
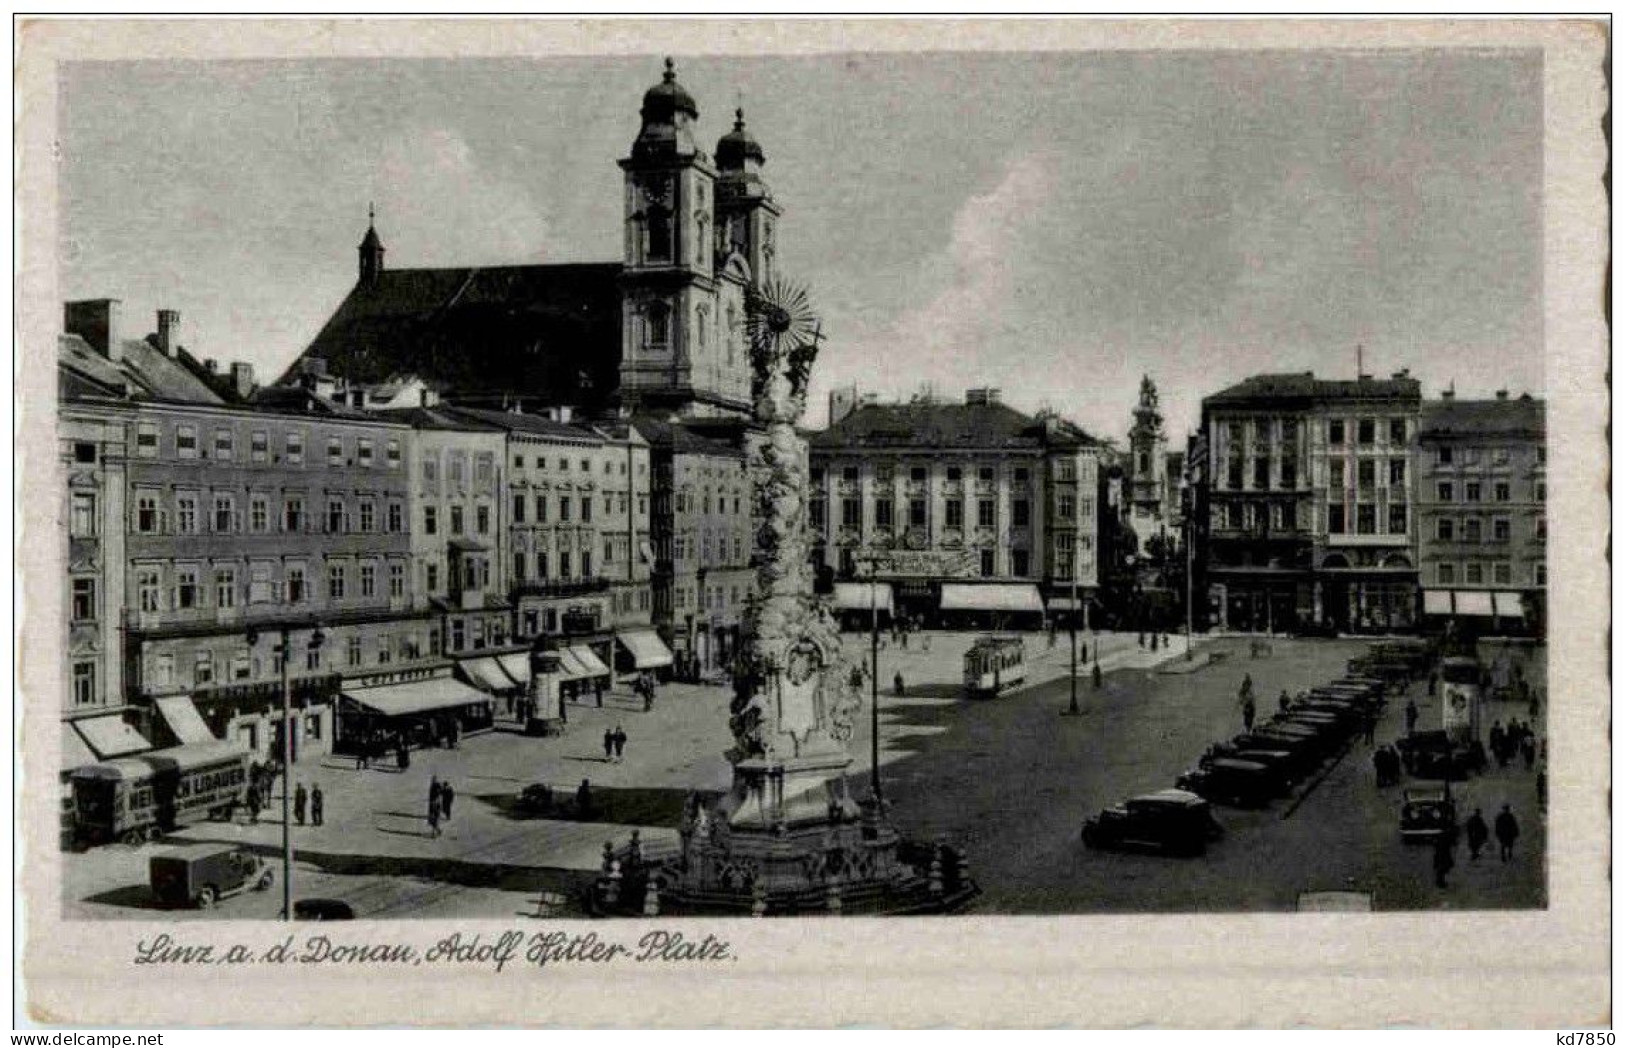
[(627, 806)]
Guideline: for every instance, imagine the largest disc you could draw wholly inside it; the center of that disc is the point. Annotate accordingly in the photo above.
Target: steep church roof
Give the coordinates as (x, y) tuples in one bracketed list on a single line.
[(544, 331)]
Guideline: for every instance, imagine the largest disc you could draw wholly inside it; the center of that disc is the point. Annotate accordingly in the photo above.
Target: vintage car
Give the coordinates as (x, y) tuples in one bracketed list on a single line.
[(202, 874), (1290, 762), (1425, 814), (322, 910), (1434, 755), (1313, 741), (1238, 783), (1173, 822)]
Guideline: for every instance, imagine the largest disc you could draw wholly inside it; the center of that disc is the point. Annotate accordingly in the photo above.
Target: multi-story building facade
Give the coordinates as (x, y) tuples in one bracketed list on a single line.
[(1481, 508), (940, 496), (1310, 487)]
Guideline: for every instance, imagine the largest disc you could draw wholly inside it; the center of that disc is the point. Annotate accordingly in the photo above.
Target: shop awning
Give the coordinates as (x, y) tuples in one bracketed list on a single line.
[(179, 758), (648, 651), (855, 596), (418, 696), (1474, 602), (75, 754), (486, 674), (589, 660), (1436, 602), (1065, 603), (110, 737), (183, 719), (516, 665), (1014, 597), (1508, 605)]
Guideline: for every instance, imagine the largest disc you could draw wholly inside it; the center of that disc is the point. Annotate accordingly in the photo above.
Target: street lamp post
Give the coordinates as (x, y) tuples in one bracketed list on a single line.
[(286, 648), (874, 685), (1072, 625), (1190, 581)]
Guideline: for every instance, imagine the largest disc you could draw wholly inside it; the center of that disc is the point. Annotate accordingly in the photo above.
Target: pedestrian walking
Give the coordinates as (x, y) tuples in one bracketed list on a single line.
[(1369, 725), (1478, 833), (1412, 715), (1506, 831), (1153, 642), (448, 793), (649, 695), (609, 745), (299, 798), (584, 800), (1528, 748), (620, 743), (403, 758), (897, 683), (1498, 742), (1095, 673), (434, 814), (254, 804), (1444, 856), (316, 805), (598, 690), (1248, 712), (1247, 686), (1285, 701), (434, 792), (1142, 638)]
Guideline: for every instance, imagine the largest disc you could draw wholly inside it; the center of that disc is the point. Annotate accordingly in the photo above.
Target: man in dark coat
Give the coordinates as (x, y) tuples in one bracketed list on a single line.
[(620, 743), (609, 744), (1498, 741), (1248, 711), (1506, 831), (897, 683), (1478, 833), (584, 800), (434, 814), (1412, 715), (299, 797), (434, 794), (316, 805), (1095, 673), (447, 794)]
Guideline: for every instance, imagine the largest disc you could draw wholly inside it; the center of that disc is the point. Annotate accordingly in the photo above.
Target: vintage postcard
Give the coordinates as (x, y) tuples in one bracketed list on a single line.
[(1014, 523)]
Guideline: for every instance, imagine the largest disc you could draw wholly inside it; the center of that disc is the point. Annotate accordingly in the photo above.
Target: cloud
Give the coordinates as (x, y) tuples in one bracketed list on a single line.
[(439, 204), (978, 270)]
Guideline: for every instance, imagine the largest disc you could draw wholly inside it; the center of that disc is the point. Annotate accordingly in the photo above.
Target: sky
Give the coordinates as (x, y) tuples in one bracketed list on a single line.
[(1051, 224)]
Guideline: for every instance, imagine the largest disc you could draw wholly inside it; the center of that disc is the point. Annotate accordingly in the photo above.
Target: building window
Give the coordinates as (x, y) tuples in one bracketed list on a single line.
[(917, 474), (586, 508), (1289, 516), (985, 474), (518, 508), (1540, 491), (1474, 530), (519, 567), (368, 516), (1397, 520), (984, 513), (1367, 431), (203, 668), (335, 582), (1021, 475), (259, 584), (1447, 574), (1540, 574), (1445, 529), (1446, 455), (223, 445), (335, 451), (259, 514), (1501, 529), (1289, 473), (955, 513), (431, 577), (335, 516), (564, 564), (1447, 491), (84, 684), (293, 515), (295, 578), (352, 651), (850, 473), (564, 509), (883, 509), (1275, 516), (1540, 529), (385, 653), (1396, 431), (1336, 475), (1336, 518), (987, 563), (1503, 491), (817, 508), (296, 448), (146, 440), (1475, 574), (1261, 473), (225, 588), (82, 519), (1019, 562), (431, 468), (186, 442), (1366, 472), (541, 509), (84, 600), (456, 520), (1065, 508), (431, 519), (397, 579), (392, 454), (916, 513), (259, 445), (482, 519), (586, 563), (1068, 471), (851, 513), (186, 514), (369, 580), (1503, 573), (1334, 432), (395, 517), (1396, 473), (146, 585), (1475, 491), (1020, 513), (541, 565), (186, 595), (658, 319), (484, 467)]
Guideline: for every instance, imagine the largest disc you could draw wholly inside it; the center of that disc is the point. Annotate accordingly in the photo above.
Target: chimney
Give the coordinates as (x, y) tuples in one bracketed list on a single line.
[(96, 321), (242, 379), (211, 365), (977, 397), (1500, 394), (169, 332)]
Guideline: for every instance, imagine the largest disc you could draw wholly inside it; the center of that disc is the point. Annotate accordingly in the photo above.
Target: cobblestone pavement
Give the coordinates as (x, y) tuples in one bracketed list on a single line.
[(1010, 777)]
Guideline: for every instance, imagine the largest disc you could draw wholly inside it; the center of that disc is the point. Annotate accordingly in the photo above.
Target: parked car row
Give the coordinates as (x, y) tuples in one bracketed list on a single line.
[(1247, 771)]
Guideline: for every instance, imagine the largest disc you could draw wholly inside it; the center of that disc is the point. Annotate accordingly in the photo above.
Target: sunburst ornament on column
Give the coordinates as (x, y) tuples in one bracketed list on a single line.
[(784, 335)]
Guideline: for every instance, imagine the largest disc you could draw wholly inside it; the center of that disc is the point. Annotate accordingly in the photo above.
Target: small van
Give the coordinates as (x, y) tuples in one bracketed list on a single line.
[(201, 875)]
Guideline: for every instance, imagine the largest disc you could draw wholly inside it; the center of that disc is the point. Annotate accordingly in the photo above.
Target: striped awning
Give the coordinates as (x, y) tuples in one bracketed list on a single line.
[(589, 660), (1014, 597), (516, 665), (183, 719), (861, 596), (75, 754), (648, 651), (110, 737), (418, 696), (1508, 605), (487, 674)]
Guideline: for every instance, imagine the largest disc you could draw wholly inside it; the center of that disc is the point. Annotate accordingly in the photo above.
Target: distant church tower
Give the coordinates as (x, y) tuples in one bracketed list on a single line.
[(371, 251), (683, 329), (1148, 466)]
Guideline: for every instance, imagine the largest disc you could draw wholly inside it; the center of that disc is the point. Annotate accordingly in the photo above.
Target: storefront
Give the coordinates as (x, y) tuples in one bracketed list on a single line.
[(991, 605), (487, 673), (641, 651), (857, 604), (419, 708), (1483, 611)]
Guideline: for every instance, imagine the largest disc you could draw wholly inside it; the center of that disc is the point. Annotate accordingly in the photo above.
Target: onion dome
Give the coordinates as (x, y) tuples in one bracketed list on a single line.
[(737, 146), (662, 102)]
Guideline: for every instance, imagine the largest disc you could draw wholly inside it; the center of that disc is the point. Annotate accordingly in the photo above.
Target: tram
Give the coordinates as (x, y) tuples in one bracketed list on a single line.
[(133, 799), (995, 665)]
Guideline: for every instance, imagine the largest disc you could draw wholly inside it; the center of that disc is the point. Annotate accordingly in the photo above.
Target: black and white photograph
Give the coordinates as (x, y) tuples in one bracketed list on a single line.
[(696, 484)]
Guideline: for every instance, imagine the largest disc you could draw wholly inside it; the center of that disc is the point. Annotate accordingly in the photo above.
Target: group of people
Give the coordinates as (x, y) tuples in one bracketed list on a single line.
[(313, 798), (1517, 739), (1478, 835), (614, 743), (441, 794)]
